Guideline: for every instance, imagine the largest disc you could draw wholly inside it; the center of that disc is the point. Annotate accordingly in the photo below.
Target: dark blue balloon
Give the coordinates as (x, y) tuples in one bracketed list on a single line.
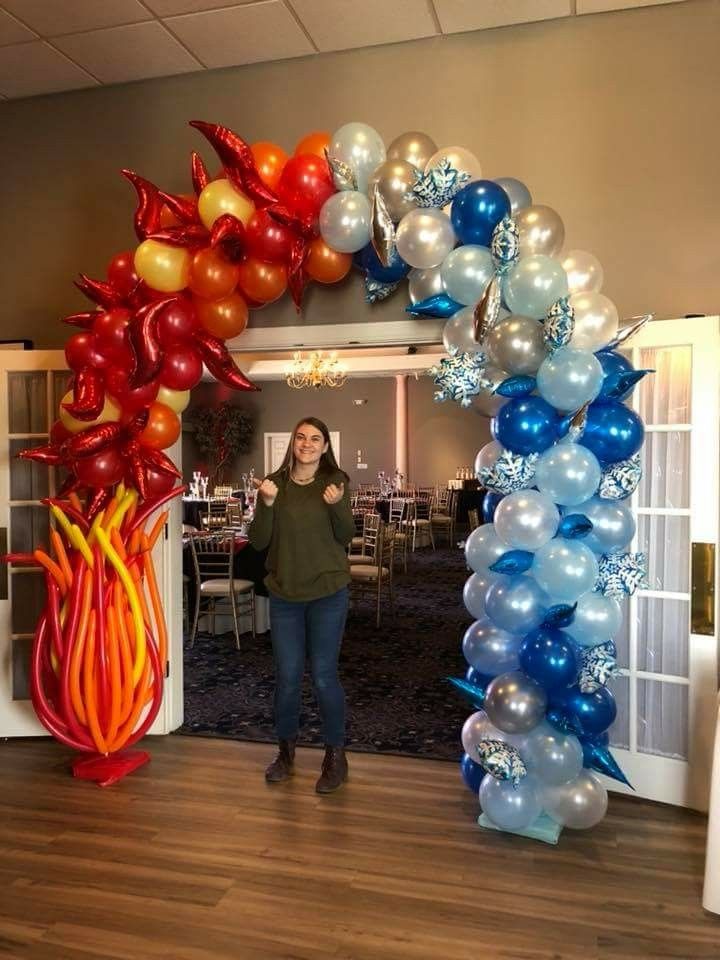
[(472, 773), (560, 615), (526, 425), (549, 657), (574, 526), (477, 210), (512, 562), (479, 679), (439, 305), (613, 432), (490, 502), (369, 261), (593, 712)]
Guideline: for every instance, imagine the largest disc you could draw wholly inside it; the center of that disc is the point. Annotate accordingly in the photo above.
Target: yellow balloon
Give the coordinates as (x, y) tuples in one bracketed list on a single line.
[(109, 414), (163, 267), (177, 400), (220, 197)]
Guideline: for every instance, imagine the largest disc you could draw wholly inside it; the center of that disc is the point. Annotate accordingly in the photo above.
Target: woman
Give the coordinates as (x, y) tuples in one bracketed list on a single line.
[(303, 514)]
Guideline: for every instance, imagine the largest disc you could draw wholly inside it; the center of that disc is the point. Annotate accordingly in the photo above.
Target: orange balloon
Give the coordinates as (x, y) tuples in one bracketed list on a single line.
[(162, 428), (225, 318), (168, 218), (211, 275), (315, 142), (269, 160), (262, 281), (325, 264)]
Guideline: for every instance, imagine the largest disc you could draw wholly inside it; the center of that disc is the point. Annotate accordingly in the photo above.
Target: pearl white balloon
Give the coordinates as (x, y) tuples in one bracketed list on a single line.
[(541, 230), (459, 333), (345, 221), (460, 158), (596, 321), (526, 520), (361, 147), (483, 547), (568, 473), (551, 756), (517, 191), (466, 271), (597, 619), (584, 272), (565, 569), (579, 804), (508, 806), (475, 591), (487, 456), (423, 284), (424, 238), (477, 727)]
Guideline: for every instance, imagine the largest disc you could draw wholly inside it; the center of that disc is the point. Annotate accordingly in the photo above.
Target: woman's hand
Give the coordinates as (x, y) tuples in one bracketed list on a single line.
[(333, 494), (267, 490)]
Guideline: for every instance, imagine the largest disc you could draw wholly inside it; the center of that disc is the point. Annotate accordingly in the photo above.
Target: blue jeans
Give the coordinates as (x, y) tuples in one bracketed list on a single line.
[(319, 625)]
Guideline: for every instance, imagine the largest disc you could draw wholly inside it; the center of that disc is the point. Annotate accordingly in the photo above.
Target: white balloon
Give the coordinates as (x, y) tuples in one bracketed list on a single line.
[(596, 321), (584, 272), (460, 158), (424, 238)]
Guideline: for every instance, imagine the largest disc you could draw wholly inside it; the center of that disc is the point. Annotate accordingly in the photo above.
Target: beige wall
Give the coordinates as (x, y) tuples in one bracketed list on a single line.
[(612, 119)]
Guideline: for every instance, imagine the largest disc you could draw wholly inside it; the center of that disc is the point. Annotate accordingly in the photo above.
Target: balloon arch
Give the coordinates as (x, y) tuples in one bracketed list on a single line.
[(530, 341)]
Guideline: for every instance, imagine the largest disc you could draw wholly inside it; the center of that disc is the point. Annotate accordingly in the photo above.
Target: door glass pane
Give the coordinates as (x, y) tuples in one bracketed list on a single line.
[(663, 630), (22, 649), (665, 481), (27, 402), (622, 637), (620, 730), (29, 528), (664, 396), (28, 480), (28, 600), (662, 723), (61, 385), (666, 542)]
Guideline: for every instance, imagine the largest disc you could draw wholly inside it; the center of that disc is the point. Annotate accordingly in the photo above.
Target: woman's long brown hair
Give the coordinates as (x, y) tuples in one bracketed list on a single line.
[(328, 464)]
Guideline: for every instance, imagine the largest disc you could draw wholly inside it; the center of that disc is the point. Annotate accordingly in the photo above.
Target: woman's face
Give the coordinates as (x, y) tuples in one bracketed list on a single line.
[(309, 444)]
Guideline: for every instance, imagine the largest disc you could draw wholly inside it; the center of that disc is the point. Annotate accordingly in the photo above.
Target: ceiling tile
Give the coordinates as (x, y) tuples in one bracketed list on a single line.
[(601, 6), (455, 16), (11, 31), (242, 34), (335, 25), (52, 18), (27, 69), (134, 52), (170, 8)]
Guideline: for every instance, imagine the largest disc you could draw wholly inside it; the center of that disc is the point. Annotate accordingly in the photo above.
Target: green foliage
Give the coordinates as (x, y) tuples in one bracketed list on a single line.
[(222, 433)]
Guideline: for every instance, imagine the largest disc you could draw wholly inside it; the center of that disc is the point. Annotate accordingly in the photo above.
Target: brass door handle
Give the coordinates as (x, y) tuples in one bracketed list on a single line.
[(702, 578)]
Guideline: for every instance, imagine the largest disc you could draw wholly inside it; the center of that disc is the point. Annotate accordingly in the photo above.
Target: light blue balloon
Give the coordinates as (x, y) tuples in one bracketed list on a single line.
[(360, 146), (532, 286), (345, 221), (526, 519), (466, 272), (565, 569), (516, 604), (568, 473), (510, 807), (613, 524), (597, 619), (569, 378), (483, 547), (475, 591), (517, 191), (551, 756), (490, 649)]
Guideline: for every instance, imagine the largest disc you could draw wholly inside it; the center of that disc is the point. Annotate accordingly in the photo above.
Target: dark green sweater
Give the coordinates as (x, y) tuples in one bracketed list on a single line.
[(307, 539)]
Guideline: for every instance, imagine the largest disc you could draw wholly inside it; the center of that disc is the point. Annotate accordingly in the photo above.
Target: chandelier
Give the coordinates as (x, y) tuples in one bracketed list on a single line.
[(315, 371)]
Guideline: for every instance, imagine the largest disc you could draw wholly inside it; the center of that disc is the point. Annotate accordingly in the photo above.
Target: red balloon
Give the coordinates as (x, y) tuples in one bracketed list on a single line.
[(130, 401), (110, 329), (102, 470), (121, 272), (82, 350), (266, 239), (157, 484), (59, 433), (176, 323), (305, 184), (181, 368)]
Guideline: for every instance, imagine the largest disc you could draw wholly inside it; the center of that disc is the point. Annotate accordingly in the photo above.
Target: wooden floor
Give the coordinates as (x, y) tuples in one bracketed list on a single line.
[(194, 857)]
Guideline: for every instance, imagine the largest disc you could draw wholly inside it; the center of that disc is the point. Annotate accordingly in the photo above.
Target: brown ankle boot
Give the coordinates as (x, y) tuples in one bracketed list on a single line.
[(282, 766), (334, 770)]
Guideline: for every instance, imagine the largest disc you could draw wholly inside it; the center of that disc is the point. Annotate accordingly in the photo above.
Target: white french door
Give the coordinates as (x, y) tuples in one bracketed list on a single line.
[(32, 382), (667, 648)]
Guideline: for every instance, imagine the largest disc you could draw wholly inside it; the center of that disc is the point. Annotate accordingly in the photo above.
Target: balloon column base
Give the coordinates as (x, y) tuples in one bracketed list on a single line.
[(108, 770), (544, 828)]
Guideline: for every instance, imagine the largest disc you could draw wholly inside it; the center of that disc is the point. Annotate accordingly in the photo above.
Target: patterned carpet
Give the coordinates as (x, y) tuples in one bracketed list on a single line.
[(398, 701)]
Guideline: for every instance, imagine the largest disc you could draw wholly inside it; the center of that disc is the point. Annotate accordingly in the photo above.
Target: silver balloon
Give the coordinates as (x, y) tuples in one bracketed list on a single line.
[(394, 179), (345, 221), (553, 757), (423, 284), (526, 520), (466, 272), (579, 804), (541, 230), (424, 238), (517, 191), (514, 702), (361, 147), (342, 173), (413, 147), (382, 231), (477, 727), (509, 806), (516, 344), (459, 333), (490, 649), (460, 158), (475, 591), (483, 547), (596, 321), (584, 272), (487, 404), (486, 311), (487, 455)]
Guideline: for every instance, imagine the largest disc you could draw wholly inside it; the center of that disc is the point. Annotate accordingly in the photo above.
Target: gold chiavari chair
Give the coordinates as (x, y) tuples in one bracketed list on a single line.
[(363, 552), (212, 558), (399, 514), (473, 518), (223, 491), (375, 577), (444, 522)]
